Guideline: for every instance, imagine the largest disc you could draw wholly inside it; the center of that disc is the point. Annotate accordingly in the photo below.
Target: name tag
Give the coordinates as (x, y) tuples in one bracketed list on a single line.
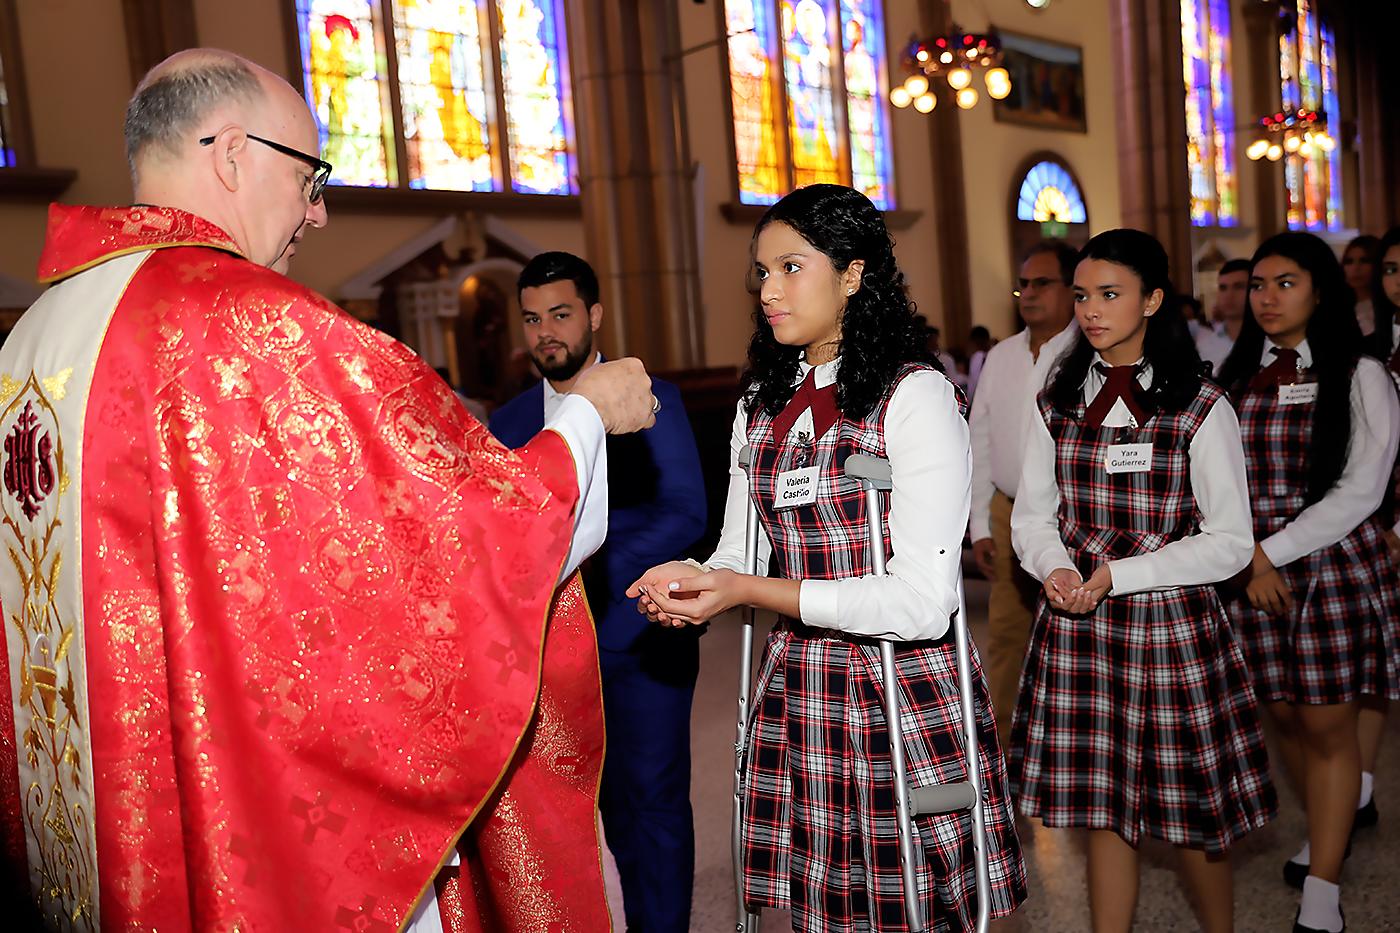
[(1128, 458), (796, 487), (1300, 393)]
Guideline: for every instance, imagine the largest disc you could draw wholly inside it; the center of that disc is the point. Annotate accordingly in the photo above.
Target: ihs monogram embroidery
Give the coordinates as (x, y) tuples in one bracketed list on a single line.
[(29, 467)]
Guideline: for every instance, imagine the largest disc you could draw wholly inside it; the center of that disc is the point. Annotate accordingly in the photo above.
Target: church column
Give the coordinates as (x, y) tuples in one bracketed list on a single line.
[(945, 157), (634, 178), (1263, 95), (1151, 110)]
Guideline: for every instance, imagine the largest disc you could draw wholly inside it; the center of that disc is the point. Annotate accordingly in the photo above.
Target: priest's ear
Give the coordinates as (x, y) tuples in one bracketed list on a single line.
[(227, 147)]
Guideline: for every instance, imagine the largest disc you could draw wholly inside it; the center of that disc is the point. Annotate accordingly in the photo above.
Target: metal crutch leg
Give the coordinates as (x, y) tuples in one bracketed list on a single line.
[(874, 477), (746, 921)]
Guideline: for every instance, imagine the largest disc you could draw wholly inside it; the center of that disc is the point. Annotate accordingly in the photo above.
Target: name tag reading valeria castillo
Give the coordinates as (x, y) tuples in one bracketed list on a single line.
[(796, 487), (1128, 458), (1300, 393)]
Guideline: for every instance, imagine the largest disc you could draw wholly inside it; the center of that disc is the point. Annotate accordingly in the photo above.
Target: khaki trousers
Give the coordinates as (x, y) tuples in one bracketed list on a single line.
[(1010, 612)]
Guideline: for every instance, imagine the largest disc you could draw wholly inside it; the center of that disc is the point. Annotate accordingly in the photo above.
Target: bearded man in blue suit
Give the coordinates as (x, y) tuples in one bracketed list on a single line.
[(656, 509)]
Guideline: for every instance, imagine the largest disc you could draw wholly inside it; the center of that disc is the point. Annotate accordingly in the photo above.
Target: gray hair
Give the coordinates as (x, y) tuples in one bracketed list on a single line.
[(170, 102)]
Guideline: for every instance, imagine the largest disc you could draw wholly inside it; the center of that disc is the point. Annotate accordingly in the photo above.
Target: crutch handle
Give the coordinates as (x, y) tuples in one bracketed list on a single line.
[(867, 469), (934, 799), (745, 457)]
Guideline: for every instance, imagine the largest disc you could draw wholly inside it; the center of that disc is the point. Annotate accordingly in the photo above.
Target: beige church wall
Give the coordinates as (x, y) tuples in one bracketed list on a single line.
[(724, 247), (75, 113), (993, 151)]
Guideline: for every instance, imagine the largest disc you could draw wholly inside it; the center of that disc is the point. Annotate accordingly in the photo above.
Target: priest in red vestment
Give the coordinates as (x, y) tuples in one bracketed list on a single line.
[(292, 643)]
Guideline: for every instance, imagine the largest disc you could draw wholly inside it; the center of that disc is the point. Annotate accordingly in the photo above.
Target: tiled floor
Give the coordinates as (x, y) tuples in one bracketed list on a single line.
[(1058, 901)]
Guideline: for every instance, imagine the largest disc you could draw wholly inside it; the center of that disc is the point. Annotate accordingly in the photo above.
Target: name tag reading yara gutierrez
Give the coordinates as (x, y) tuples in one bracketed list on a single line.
[(1128, 458), (796, 487)]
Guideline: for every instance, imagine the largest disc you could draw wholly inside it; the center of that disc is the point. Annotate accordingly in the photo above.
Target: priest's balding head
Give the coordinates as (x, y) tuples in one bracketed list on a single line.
[(214, 134)]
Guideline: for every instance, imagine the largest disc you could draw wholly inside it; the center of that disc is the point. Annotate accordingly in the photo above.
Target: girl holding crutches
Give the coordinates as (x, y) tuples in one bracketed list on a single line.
[(839, 366), (1320, 423), (1135, 715)]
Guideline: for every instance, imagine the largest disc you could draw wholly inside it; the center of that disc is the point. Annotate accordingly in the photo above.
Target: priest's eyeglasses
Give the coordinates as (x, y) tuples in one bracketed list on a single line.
[(322, 167)]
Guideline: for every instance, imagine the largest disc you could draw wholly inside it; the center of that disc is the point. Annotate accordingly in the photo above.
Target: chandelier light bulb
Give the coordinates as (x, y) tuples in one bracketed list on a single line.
[(1257, 149), (998, 84), (925, 103), (946, 58), (1306, 150), (1292, 143), (1326, 142), (916, 85), (967, 98), (900, 97), (959, 78), (1274, 152)]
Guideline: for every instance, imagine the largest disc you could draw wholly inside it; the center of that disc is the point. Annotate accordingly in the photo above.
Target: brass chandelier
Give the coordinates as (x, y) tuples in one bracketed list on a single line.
[(955, 58)]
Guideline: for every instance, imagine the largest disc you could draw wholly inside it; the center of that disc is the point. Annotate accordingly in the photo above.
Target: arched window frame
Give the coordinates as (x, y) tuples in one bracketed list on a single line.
[(402, 196), (744, 204)]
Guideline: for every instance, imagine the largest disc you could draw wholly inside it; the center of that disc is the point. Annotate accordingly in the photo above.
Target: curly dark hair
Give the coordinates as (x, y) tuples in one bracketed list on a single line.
[(879, 332), (1336, 343), (1177, 369)]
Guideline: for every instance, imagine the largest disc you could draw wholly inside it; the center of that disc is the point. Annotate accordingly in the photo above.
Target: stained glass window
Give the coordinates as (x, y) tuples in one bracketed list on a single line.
[(1049, 194), (1210, 112), (1308, 70), (473, 116), (345, 74), (537, 108), (808, 85), (7, 152)]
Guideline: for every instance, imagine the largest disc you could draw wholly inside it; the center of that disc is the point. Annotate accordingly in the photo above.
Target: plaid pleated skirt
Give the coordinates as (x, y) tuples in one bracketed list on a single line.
[(1139, 718), (1341, 640), (820, 835)]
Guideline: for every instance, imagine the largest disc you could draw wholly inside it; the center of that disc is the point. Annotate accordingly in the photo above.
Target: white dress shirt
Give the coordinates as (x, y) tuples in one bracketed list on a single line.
[(1358, 492), (1001, 410), (575, 420), (1213, 346), (1221, 548), (926, 440), (1366, 316)]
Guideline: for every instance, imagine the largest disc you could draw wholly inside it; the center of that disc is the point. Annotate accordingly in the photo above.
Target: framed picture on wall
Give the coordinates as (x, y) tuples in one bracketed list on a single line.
[(1047, 84)]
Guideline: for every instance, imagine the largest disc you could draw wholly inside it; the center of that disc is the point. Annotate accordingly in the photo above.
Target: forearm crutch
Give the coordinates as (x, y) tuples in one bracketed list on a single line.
[(874, 477), (746, 920)]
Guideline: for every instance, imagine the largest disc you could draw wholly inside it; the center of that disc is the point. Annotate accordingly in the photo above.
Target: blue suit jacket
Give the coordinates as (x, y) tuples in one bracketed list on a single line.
[(656, 503)]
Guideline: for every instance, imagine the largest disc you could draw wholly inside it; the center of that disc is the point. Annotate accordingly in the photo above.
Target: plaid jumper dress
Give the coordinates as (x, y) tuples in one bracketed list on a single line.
[(1138, 717), (820, 834), (1341, 638)]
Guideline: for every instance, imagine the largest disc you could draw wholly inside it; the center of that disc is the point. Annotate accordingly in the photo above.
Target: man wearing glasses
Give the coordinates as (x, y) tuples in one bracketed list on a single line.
[(1015, 370), (286, 629)]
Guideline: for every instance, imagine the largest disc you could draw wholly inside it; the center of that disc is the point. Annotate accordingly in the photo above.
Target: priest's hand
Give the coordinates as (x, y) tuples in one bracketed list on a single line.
[(698, 599), (621, 392), (657, 580)]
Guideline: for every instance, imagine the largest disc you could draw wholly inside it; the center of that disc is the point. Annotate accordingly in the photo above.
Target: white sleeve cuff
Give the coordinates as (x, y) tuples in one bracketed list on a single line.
[(816, 603), (581, 427)]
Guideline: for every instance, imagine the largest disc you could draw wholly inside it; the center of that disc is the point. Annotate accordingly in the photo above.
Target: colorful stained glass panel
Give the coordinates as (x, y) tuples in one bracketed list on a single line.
[(1210, 115), (346, 79), (863, 51), (1048, 193), (534, 73), (1308, 71), (7, 152), (443, 93), (807, 29), (752, 39)]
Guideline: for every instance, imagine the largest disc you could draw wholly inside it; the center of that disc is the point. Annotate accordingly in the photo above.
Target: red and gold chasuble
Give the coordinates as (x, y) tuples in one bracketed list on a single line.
[(280, 618)]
